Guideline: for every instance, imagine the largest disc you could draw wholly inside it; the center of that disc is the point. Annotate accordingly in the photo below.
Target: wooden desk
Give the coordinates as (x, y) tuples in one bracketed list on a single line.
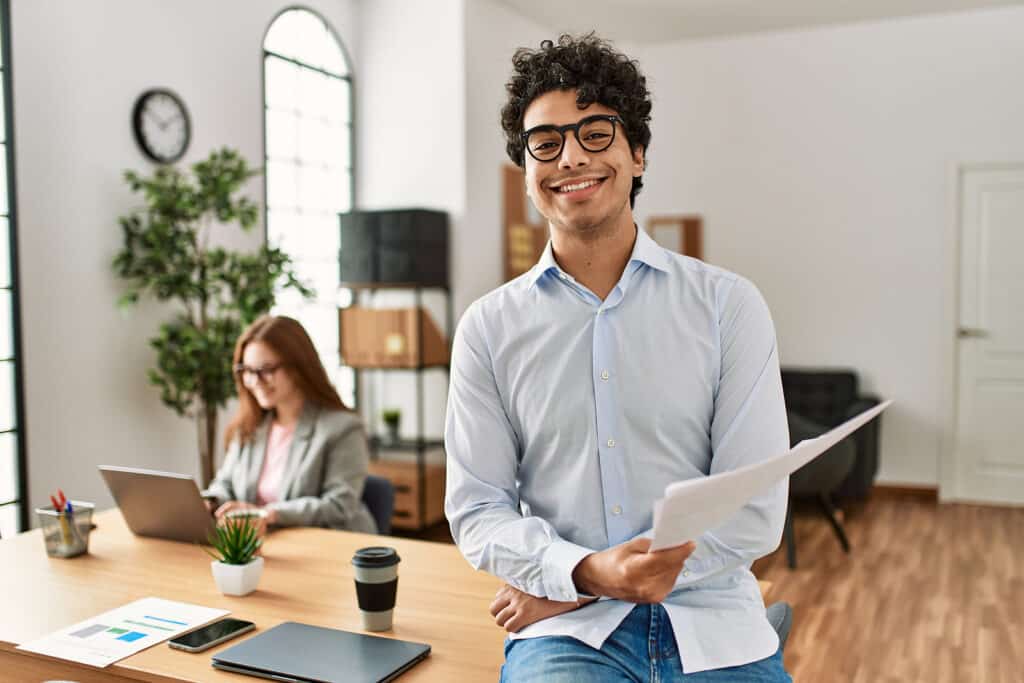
[(308, 578)]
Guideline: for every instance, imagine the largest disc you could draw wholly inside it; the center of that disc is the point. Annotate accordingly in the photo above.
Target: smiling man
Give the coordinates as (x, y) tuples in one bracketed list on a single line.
[(582, 388)]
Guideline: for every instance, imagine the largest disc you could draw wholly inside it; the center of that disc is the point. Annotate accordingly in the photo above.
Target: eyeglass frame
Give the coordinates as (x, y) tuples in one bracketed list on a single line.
[(263, 374), (575, 128)]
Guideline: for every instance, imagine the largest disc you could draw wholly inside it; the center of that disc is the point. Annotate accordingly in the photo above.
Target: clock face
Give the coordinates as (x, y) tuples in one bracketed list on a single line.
[(161, 124)]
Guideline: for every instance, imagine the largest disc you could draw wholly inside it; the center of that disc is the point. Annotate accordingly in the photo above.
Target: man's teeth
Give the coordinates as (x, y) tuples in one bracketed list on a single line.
[(578, 186)]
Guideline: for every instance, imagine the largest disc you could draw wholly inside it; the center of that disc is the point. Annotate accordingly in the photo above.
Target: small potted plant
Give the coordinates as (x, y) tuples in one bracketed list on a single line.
[(392, 419), (236, 567)]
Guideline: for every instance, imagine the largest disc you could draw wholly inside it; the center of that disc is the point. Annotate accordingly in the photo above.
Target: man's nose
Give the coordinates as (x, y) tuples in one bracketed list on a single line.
[(573, 155)]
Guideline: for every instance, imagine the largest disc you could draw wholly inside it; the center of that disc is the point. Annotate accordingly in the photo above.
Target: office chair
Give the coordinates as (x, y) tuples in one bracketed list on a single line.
[(379, 497), (780, 616)]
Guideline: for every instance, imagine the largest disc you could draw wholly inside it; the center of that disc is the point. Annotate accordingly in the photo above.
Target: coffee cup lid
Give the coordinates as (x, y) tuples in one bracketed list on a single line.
[(375, 556)]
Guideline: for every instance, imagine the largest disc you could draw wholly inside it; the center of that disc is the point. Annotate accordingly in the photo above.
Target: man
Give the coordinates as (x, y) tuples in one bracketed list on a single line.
[(582, 388)]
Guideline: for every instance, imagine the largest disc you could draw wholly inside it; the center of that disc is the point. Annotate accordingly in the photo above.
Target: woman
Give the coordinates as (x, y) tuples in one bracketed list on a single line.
[(293, 449)]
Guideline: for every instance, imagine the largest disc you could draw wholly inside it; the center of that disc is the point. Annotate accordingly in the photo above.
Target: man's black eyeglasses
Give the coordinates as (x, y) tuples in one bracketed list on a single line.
[(594, 133)]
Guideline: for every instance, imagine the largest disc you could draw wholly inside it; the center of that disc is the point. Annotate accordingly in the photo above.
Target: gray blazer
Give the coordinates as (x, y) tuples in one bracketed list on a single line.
[(323, 480)]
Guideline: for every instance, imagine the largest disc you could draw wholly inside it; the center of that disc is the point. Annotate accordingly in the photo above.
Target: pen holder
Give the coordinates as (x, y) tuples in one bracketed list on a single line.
[(66, 535)]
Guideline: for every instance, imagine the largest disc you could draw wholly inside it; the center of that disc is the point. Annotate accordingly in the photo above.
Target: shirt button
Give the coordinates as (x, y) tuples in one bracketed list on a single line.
[(686, 572), (605, 375), (611, 443), (617, 510)]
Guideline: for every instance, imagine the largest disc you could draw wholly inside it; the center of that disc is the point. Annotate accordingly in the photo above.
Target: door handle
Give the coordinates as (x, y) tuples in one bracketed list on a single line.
[(971, 333)]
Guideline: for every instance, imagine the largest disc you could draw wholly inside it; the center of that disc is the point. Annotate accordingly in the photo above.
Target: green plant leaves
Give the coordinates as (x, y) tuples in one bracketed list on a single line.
[(165, 254), (235, 540)]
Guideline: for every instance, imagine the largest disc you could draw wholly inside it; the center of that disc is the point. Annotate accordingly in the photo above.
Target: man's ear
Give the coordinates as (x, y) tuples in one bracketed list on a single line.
[(638, 161)]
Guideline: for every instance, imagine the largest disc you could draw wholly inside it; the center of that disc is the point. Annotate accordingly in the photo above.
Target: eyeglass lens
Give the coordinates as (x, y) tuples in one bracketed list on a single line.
[(594, 135)]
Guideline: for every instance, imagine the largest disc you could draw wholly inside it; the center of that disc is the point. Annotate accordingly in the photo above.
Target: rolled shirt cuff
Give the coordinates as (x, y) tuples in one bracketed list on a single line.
[(557, 565)]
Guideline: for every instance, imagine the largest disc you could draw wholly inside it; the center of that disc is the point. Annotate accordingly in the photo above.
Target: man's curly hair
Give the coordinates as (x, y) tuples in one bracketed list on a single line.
[(596, 71)]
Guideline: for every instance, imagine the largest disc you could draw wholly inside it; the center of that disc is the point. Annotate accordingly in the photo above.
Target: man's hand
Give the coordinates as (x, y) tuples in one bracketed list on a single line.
[(513, 609), (628, 572)]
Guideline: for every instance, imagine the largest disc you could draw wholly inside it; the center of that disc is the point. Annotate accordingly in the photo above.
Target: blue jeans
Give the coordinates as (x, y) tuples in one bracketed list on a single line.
[(642, 648)]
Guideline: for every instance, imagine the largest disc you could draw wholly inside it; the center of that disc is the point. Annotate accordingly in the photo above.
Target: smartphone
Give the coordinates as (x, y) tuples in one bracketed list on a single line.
[(212, 634)]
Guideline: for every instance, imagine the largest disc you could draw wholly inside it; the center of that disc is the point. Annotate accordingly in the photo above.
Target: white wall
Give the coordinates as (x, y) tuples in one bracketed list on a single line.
[(77, 71), (821, 161)]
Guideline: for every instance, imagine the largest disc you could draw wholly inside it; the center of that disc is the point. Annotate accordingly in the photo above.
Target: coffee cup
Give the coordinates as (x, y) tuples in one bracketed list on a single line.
[(376, 570)]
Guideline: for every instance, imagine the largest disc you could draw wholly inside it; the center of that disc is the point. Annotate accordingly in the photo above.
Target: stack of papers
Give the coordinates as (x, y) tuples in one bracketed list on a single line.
[(694, 506), (123, 631)]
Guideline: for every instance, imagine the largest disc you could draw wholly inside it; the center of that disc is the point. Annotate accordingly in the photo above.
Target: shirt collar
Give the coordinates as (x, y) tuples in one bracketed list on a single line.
[(645, 251)]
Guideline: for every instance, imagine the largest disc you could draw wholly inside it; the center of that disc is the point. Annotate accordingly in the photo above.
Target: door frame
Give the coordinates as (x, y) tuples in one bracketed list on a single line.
[(949, 372)]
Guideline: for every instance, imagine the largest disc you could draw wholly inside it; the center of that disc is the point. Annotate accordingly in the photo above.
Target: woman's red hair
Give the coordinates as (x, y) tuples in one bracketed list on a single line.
[(288, 339)]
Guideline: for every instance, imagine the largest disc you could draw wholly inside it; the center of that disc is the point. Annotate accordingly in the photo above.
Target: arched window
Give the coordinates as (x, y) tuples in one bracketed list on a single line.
[(307, 93)]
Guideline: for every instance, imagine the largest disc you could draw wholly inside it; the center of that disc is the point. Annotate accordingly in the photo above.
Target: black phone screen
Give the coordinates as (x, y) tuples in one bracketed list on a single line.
[(211, 632)]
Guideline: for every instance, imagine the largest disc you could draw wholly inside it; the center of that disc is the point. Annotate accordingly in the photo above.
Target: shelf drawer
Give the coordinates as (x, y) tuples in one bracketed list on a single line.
[(404, 477)]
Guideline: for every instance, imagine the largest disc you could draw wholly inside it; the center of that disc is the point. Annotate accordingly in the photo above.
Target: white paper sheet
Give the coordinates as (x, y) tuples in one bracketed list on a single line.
[(694, 506), (123, 631)]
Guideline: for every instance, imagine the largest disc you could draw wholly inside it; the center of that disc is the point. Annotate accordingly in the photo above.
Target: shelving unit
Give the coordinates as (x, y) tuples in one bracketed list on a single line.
[(419, 485)]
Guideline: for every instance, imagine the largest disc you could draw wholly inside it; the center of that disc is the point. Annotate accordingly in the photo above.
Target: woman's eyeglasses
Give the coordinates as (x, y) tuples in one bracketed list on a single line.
[(594, 133), (262, 374)]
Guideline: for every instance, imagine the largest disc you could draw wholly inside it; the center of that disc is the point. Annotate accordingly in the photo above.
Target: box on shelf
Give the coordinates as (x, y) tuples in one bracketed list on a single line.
[(403, 475), (390, 338)]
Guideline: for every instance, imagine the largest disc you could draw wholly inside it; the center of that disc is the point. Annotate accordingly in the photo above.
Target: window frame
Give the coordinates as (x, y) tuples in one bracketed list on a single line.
[(12, 213), (349, 78)]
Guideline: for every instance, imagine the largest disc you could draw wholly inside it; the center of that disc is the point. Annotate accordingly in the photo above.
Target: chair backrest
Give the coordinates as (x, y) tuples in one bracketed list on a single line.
[(780, 615), (379, 496)]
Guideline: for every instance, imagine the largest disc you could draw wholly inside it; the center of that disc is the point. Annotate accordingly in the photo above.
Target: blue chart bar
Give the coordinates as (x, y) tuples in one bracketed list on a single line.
[(168, 621), (132, 636)]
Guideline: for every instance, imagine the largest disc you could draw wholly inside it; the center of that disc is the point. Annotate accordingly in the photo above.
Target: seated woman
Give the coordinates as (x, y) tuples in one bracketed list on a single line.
[(293, 449)]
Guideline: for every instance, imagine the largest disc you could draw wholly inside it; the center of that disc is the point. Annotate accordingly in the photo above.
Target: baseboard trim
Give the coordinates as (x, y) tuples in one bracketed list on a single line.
[(928, 494)]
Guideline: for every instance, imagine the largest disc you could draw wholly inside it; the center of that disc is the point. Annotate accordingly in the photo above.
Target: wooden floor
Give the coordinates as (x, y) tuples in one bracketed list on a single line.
[(929, 593)]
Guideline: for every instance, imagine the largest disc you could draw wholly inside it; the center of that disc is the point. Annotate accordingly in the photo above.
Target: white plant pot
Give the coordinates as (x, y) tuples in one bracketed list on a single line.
[(237, 579)]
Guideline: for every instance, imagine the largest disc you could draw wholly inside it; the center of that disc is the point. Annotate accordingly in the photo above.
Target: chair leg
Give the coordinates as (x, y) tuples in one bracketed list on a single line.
[(830, 512), (790, 536)]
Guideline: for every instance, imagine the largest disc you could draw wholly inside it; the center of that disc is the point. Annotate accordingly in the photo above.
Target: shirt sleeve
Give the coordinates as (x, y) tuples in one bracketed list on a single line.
[(481, 495), (749, 425)]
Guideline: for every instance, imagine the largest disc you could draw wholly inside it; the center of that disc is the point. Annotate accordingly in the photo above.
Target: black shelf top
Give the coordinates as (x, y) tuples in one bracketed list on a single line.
[(382, 444)]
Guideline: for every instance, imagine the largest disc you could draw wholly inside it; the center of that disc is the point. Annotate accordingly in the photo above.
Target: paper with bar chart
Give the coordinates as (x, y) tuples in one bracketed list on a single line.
[(123, 631)]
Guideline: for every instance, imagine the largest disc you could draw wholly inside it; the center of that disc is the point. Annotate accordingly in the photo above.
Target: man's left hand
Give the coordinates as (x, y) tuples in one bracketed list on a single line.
[(514, 610)]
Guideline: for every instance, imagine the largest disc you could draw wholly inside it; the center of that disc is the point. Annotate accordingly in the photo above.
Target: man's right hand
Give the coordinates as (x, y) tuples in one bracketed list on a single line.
[(628, 572)]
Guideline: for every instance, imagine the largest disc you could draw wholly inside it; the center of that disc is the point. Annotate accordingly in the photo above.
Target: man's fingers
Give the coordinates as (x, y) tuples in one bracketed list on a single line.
[(504, 615), (500, 602)]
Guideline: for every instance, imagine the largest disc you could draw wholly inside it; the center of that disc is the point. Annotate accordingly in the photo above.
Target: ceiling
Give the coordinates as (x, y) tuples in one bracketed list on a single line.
[(653, 21)]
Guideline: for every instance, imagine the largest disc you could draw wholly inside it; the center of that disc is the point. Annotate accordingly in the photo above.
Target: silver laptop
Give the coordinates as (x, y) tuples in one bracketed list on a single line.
[(159, 504)]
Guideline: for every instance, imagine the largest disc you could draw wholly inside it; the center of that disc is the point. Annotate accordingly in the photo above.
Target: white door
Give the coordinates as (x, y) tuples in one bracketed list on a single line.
[(990, 416)]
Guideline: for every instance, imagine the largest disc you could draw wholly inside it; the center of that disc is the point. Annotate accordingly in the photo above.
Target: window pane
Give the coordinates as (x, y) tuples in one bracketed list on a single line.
[(8, 467), (3, 114), (281, 83), (5, 253), (7, 395), (337, 93), (312, 99), (303, 36), (3, 178), (9, 520), (6, 324), (281, 185), (282, 134)]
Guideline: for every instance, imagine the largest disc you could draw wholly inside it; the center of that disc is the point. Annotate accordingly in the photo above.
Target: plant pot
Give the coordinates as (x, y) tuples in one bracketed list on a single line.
[(392, 428), (237, 579)]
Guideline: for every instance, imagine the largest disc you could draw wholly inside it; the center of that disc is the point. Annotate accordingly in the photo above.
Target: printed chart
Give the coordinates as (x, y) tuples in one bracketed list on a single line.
[(124, 631)]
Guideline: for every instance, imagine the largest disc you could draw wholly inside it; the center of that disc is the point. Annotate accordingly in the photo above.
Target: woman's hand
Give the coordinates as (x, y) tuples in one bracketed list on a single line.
[(514, 610), (265, 516)]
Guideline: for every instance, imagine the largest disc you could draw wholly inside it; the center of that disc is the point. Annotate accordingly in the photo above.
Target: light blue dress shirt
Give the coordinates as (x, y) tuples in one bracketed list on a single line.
[(568, 416)]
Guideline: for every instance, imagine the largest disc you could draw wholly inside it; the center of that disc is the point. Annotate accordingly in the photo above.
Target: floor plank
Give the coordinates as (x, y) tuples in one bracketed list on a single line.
[(929, 592)]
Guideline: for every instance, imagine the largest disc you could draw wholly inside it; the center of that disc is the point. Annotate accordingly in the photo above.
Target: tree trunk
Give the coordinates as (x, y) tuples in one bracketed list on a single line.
[(206, 424)]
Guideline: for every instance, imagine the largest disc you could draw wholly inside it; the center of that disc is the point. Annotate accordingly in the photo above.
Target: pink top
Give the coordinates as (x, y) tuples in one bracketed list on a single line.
[(279, 442)]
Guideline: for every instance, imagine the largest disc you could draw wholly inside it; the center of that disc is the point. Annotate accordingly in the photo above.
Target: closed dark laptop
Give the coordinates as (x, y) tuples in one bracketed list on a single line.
[(299, 652)]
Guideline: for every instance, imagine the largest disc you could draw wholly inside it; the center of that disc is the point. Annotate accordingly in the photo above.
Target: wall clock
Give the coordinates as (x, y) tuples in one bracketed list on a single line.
[(161, 125)]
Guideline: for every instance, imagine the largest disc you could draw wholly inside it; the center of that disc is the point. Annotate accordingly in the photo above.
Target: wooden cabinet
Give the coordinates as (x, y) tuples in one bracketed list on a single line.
[(409, 487)]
